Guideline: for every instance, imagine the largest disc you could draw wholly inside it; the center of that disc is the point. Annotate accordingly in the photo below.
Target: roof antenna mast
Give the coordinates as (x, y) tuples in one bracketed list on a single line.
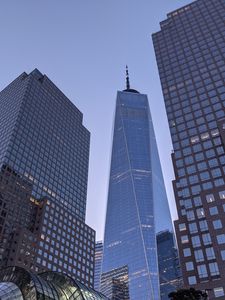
[(127, 78)]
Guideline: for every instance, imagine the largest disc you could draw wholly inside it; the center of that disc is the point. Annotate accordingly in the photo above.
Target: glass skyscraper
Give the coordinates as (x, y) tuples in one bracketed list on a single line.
[(169, 267), (98, 264), (190, 52), (44, 153), (134, 202), (42, 137)]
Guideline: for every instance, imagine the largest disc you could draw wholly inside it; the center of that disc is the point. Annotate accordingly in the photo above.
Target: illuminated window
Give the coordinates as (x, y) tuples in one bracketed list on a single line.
[(210, 198), (194, 139), (218, 292), (200, 213), (222, 194), (204, 136)]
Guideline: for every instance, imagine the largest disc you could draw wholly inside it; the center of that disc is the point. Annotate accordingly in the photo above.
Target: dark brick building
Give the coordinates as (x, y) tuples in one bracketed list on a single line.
[(44, 153), (190, 53)]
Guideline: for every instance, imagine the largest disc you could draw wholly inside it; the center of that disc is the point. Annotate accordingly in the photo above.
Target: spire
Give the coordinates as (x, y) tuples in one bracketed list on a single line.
[(128, 89), (127, 78)]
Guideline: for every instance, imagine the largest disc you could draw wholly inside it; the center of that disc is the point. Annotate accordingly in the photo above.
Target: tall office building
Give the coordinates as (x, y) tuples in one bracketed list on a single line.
[(98, 264), (168, 261), (190, 52), (44, 152), (136, 196), (43, 138), (115, 284)]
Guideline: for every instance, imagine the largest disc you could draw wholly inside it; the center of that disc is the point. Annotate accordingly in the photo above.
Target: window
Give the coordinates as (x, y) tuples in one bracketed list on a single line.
[(215, 132), (213, 267), (204, 176), (195, 189), (182, 227), (187, 252), (221, 238), (193, 228), (218, 292), (217, 224), (190, 215), (206, 239), (204, 136), (202, 272), (213, 210), (193, 179), (203, 225), (224, 207), (196, 241), (197, 201), (199, 255), (222, 252), (210, 198), (194, 139), (189, 266), (188, 203), (200, 213), (222, 194), (184, 239), (192, 280), (210, 253), (216, 173)]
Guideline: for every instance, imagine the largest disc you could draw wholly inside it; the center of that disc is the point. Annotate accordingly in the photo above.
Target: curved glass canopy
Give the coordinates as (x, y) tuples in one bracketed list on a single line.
[(19, 284)]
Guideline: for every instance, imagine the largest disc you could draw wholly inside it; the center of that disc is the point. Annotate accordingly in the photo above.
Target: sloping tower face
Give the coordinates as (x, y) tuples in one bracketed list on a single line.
[(130, 237)]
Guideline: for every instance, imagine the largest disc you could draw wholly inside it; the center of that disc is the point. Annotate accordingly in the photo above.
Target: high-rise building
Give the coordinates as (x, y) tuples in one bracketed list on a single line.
[(115, 284), (44, 152), (190, 51), (98, 264), (136, 195), (43, 138), (168, 261)]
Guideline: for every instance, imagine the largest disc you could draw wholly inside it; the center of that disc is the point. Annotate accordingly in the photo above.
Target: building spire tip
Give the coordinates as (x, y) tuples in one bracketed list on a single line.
[(127, 79)]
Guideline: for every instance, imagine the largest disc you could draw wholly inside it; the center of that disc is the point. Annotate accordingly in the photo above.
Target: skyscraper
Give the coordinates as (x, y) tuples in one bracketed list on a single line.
[(190, 51), (134, 198), (44, 152), (98, 264), (169, 267), (115, 284), (43, 138)]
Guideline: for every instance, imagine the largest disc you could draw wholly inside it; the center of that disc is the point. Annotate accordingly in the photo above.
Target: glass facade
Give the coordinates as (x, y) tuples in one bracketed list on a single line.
[(98, 264), (169, 268), (133, 200), (190, 51), (44, 153), (42, 138), (17, 283), (115, 284), (10, 290)]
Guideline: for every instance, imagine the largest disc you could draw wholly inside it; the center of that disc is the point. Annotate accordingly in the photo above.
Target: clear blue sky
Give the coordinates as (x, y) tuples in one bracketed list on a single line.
[(83, 47)]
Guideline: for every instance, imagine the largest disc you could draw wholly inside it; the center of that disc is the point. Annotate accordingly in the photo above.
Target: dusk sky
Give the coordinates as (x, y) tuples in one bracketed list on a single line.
[(83, 46)]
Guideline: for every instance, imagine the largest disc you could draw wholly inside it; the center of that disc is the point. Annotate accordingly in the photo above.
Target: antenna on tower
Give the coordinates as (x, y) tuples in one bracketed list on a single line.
[(127, 78)]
